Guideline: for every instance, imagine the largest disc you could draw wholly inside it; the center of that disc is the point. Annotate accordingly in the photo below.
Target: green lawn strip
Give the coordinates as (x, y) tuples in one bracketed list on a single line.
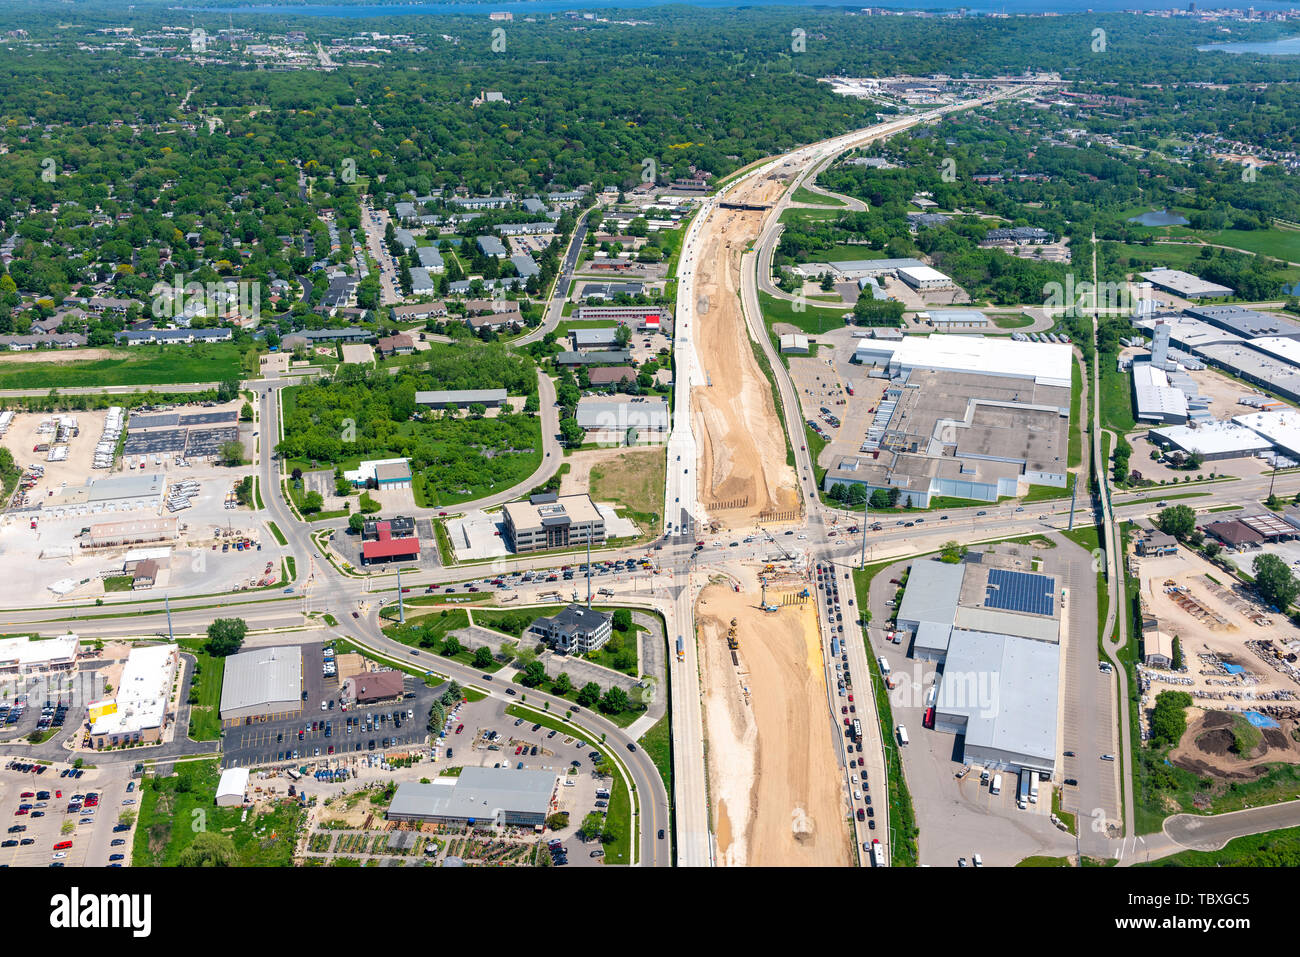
[(1045, 493), (279, 535), (1162, 498), (1039, 860), (658, 746), (1011, 322), (1074, 455), (904, 852), (171, 806), (1267, 849), (205, 721), (257, 493), (761, 358), (1065, 817), (619, 819), (1224, 508), (118, 583)]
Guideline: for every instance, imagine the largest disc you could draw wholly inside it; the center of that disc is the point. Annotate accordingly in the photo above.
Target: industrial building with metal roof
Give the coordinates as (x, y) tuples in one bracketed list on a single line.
[(262, 681), (1044, 362), (1154, 399), (1184, 284), (480, 796), (1000, 693), (1212, 441)]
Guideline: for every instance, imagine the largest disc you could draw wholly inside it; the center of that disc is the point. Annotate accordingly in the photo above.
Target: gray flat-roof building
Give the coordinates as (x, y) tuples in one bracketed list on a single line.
[(648, 415), (491, 246), (492, 398), (1000, 692), (1184, 284), (933, 590), (483, 796), (610, 357), (599, 338), (262, 681), (430, 258)]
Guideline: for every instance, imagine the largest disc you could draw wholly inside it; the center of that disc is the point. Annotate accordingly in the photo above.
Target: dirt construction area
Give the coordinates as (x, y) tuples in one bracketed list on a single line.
[(775, 787), (1223, 745), (742, 467), (1216, 626)]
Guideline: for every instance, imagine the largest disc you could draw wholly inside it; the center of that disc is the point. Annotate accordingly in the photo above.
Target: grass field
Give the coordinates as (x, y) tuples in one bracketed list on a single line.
[(1075, 454), (205, 723), (1116, 397), (1011, 322), (141, 365), (175, 810), (636, 481), (812, 321)]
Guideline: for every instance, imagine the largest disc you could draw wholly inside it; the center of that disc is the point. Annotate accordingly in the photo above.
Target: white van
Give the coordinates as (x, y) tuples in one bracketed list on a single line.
[(996, 786), (902, 735), (884, 665)]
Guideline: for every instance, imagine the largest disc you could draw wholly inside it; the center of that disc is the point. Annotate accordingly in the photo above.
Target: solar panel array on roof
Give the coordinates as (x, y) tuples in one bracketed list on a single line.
[(1020, 591)]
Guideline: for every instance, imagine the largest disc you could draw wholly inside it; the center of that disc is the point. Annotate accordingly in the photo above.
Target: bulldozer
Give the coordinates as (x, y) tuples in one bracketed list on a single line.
[(732, 642)]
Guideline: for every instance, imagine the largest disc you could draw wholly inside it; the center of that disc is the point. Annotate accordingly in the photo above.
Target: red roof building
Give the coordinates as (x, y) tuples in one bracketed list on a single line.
[(386, 549)]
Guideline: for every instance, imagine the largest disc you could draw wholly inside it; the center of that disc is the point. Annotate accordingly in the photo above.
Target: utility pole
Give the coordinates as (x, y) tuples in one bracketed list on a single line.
[(866, 503), (401, 609), (1074, 488), (167, 603)]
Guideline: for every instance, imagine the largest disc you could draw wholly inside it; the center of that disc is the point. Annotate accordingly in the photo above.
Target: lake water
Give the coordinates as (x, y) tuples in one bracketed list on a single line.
[(1160, 217), (1287, 46), (355, 11)]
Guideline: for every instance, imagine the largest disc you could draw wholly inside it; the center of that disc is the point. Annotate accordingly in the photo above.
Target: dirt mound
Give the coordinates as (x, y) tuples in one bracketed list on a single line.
[(1275, 739), (1216, 719), (1218, 742), (1205, 769)]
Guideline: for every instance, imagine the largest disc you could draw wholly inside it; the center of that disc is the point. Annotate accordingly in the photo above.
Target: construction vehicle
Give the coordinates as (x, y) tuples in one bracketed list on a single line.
[(771, 608), (681, 649), (732, 641)]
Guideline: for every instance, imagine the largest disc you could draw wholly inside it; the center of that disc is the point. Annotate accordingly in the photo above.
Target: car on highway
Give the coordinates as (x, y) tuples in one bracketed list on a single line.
[(1108, 757)]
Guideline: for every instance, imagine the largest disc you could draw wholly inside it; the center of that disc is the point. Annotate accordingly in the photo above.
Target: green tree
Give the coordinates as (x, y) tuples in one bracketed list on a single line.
[(231, 453), (571, 433), (534, 674), (225, 636), (451, 694), (614, 701), (483, 657), (1169, 718), (622, 619), (589, 694), (1274, 581), (246, 412), (1177, 520), (451, 646), (951, 553), (209, 849), (592, 825), (563, 684), (356, 523), (313, 501)]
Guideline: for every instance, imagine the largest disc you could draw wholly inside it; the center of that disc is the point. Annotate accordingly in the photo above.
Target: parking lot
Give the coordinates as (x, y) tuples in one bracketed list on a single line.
[(25, 701), (481, 734), (315, 733), (82, 812)]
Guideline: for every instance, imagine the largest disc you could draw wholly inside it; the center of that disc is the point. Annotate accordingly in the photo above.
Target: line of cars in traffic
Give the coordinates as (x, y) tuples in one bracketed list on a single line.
[(828, 586)]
